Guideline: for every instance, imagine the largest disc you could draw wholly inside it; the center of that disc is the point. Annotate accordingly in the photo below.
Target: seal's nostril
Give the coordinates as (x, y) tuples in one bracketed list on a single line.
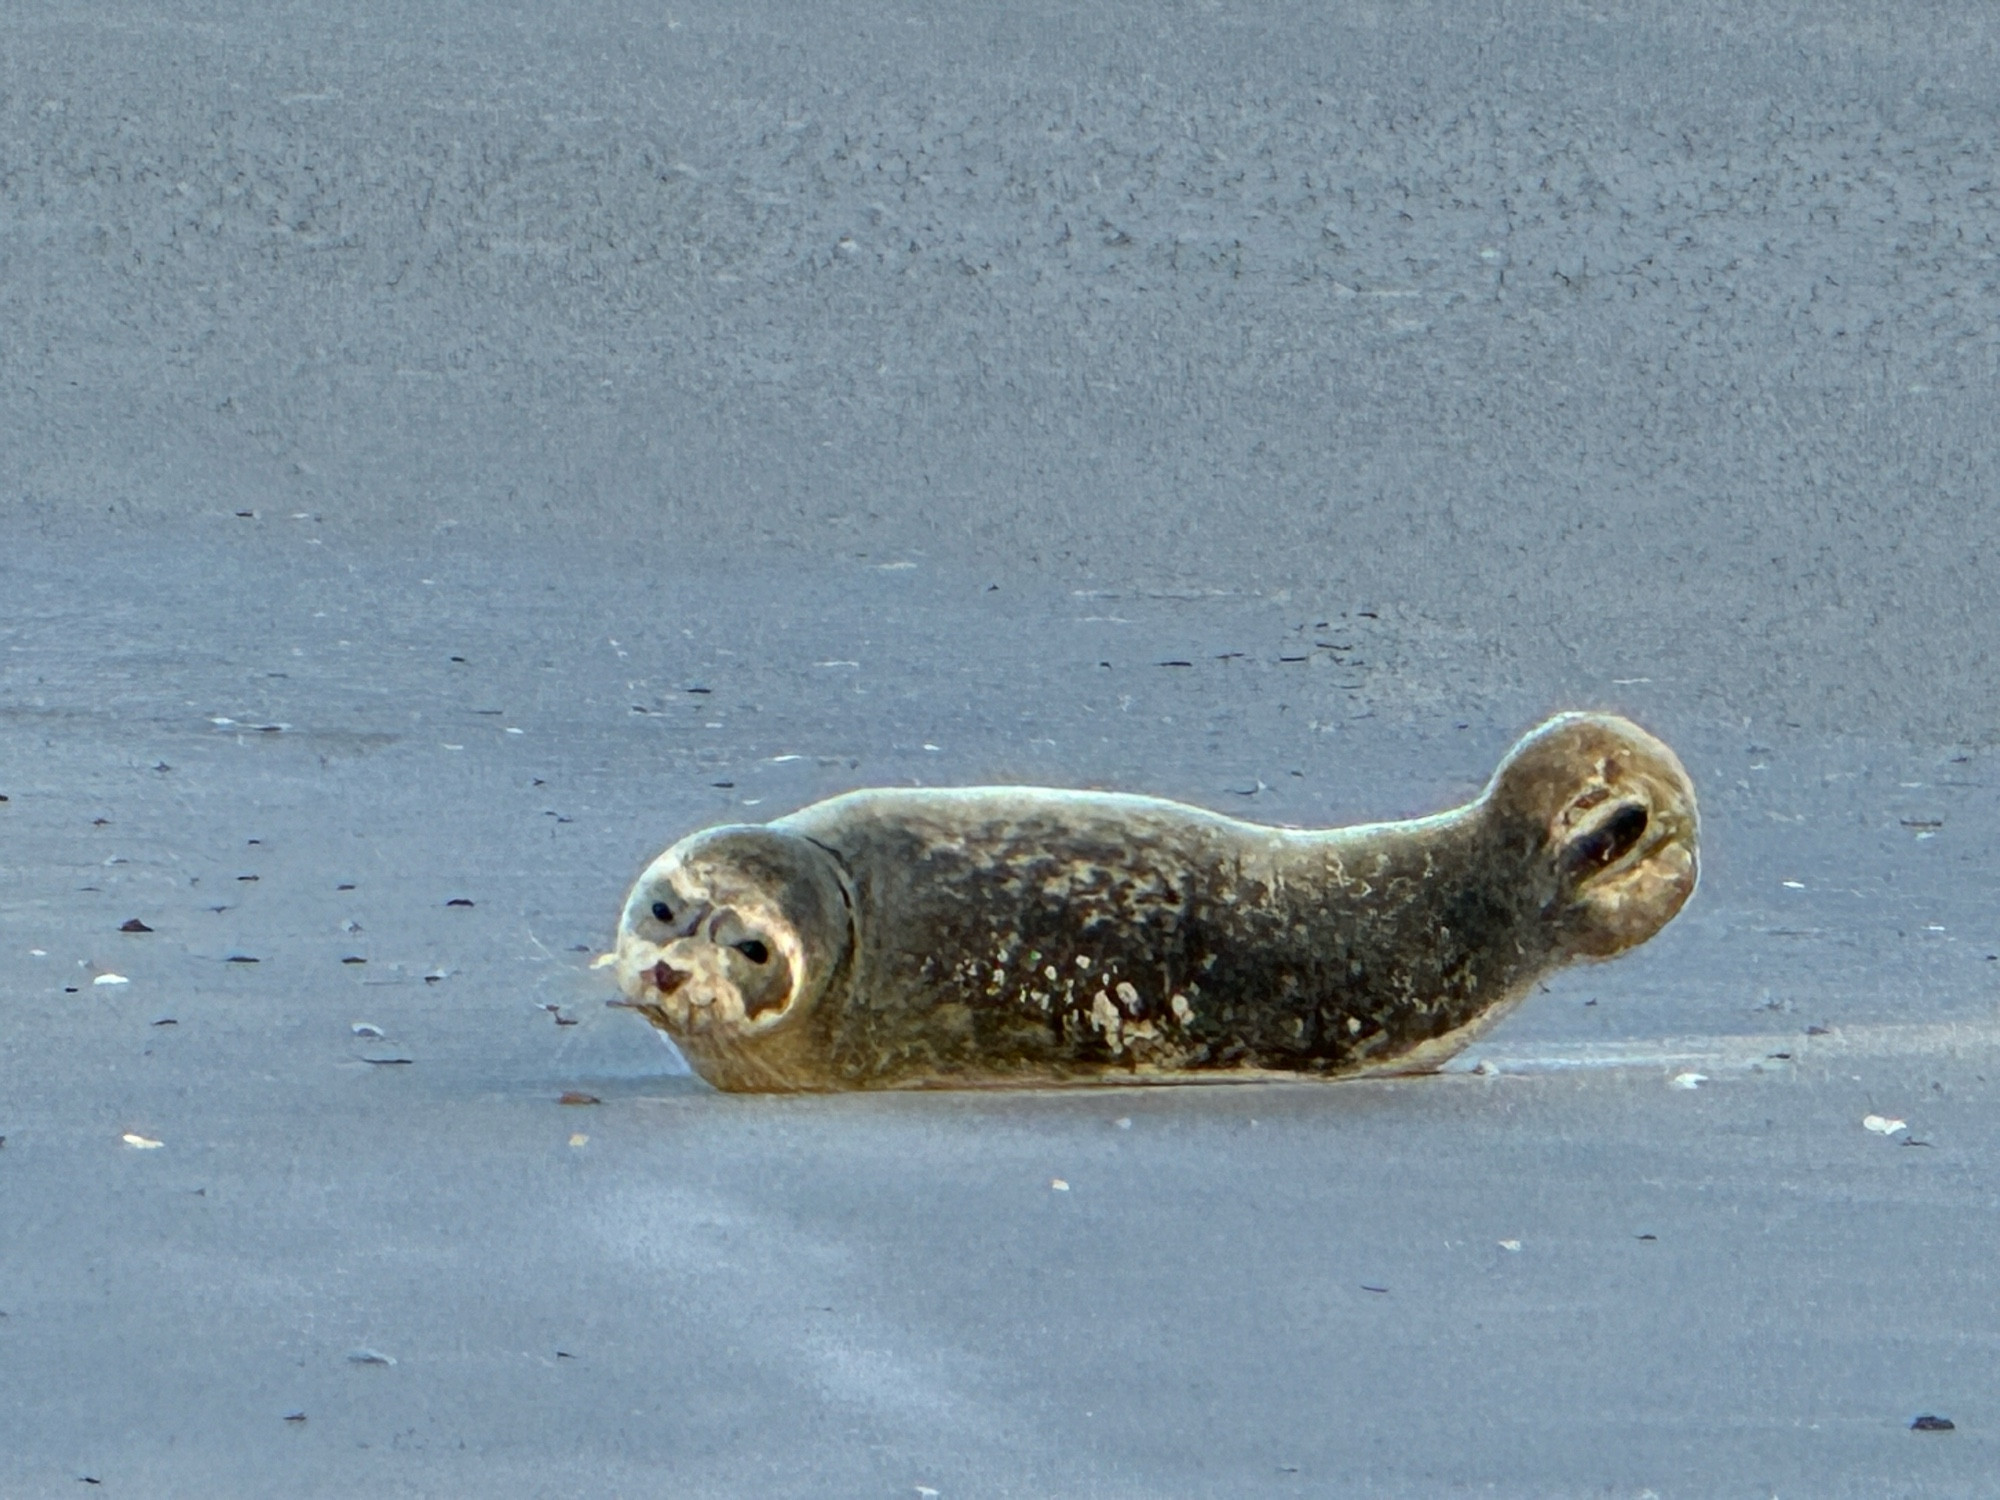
[(666, 978)]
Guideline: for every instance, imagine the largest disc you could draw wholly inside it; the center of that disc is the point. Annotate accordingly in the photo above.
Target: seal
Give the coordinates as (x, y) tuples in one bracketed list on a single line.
[(1020, 936)]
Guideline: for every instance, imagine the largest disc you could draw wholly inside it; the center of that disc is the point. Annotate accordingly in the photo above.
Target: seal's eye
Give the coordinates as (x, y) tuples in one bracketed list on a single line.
[(753, 950), (662, 912), (1607, 842)]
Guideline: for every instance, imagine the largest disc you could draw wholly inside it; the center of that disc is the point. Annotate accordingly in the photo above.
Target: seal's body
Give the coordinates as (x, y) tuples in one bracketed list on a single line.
[(1007, 935)]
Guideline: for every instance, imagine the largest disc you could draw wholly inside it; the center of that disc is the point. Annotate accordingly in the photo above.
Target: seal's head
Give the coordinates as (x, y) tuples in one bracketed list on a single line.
[(732, 935), (1606, 814)]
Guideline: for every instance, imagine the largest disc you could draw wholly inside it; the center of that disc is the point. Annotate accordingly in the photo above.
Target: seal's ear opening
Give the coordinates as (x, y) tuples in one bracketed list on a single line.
[(1616, 810)]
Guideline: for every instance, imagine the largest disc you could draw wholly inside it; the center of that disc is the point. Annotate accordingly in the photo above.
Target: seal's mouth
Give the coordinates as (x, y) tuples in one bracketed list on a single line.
[(699, 983)]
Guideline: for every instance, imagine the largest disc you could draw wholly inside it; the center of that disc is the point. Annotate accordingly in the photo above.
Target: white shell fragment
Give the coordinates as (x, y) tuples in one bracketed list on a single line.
[(1883, 1125), (110, 979), (1058, 1185), (142, 1142), (1689, 1080)]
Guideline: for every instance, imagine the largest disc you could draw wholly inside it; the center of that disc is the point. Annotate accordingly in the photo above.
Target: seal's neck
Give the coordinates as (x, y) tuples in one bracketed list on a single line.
[(1446, 912)]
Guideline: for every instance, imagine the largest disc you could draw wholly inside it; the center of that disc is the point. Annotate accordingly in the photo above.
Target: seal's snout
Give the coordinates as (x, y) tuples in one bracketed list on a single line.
[(666, 978)]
